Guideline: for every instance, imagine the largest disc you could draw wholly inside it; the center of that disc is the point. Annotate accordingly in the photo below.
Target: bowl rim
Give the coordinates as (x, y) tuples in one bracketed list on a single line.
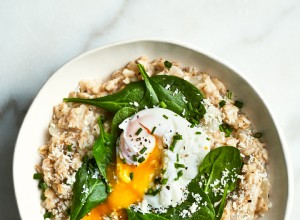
[(287, 156)]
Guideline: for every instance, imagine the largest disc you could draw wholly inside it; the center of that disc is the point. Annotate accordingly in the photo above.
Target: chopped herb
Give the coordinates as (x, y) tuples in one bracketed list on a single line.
[(226, 128), (157, 180), (168, 64), (179, 165), (43, 197), (138, 131), (131, 175), (153, 129), (163, 104), (198, 132), (124, 161), (257, 135), (134, 157), (229, 94), (190, 107), (37, 176), (42, 185), (222, 103), (143, 150), (70, 149), (149, 192), (177, 157), (195, 121), (166, 117), (48, 215), (163, 171), (141, 159), (153, 192), (176, 137), (179, 174), (208, 138), (164, 181), (239, 104)]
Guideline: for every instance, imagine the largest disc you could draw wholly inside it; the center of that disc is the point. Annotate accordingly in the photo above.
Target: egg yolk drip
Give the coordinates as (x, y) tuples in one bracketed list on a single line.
[(129, 185)]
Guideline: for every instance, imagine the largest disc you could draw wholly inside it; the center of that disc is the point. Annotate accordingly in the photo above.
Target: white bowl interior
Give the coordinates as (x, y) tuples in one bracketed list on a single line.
[(100, 63)]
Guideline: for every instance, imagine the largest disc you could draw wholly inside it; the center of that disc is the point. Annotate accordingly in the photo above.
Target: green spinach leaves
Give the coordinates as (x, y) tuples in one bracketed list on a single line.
[(219, 171), (169, 92), (88, 191), (209, 189), (103, 150)]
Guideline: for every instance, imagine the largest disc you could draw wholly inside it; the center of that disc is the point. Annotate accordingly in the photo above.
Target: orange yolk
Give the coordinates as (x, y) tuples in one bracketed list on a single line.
[(127, 190)]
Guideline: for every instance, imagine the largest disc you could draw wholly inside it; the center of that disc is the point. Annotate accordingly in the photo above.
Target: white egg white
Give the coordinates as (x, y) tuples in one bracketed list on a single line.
[(141, 133)]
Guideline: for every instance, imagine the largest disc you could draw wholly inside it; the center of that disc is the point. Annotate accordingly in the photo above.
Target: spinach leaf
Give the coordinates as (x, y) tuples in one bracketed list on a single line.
[(88, 190), (181, 97), (216, 178), (219, 171), (133, 92), (103, 150), (119, 117), (171, 92)]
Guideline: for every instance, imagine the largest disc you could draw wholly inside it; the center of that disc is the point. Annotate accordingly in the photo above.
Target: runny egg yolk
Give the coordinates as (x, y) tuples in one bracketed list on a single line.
[(129, 184)]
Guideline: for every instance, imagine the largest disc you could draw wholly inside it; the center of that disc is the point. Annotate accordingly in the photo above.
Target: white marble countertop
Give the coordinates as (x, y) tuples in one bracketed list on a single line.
[(261, 38)]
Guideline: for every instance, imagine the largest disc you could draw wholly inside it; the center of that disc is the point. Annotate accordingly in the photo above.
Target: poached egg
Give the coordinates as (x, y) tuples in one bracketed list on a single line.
[(158, 155)]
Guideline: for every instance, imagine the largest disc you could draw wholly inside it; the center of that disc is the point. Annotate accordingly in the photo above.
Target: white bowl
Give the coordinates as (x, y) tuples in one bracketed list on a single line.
[(99, 63)]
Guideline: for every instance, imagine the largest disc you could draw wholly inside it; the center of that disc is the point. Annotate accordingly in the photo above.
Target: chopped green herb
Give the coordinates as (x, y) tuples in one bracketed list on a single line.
[(102, 118), (166, 117), (141, 159), (222, 103), (208, 138), (37, 176), (195, 121), (143, 150), (163, 104), (42, 185), (257, 135), (157, 180), (177, 137), (134, 157), (131, 175), (138, 131), (153, 129), (70, 149), (229, 94), (163, 171), (172, 145), (179, 165), (226, 128), (164, 181), (177, 157), (149, 192), (190, 107), (239, 104), (198, 132), (48, 215), (43, 197), (124, 161), (153, 192), (179, 174), (168, 64)]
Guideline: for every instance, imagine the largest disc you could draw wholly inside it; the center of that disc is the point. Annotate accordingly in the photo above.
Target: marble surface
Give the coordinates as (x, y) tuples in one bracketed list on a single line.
[(261, 38)]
